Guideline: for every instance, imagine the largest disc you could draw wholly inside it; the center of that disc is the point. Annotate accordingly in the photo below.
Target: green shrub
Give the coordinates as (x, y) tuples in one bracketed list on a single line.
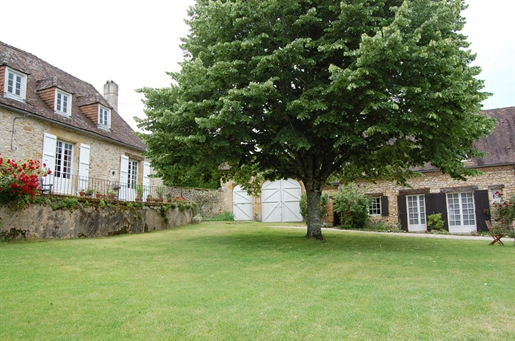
[(352, 206), (435, 222), (225, 216)]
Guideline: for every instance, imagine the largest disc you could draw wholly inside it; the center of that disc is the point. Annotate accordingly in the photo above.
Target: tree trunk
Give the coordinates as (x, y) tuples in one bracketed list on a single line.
[(313, 203)]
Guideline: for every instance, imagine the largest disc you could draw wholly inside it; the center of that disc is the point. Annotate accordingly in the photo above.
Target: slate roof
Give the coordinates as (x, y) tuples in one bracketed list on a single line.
[(42, 75)]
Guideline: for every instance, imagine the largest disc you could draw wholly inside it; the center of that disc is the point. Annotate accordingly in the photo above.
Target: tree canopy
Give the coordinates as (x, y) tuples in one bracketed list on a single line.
[(311, 89)]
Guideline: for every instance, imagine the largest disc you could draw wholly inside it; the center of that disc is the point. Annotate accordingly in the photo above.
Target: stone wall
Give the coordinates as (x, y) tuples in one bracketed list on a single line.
[(89, 220), (210, 202), (27, 143), (492, 179)]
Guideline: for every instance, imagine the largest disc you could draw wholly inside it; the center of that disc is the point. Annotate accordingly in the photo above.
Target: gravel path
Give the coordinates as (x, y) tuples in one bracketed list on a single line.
[(406, 234)]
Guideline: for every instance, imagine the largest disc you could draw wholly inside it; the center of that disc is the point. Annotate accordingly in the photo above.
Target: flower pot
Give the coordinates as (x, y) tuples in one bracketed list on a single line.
[(82, 194)]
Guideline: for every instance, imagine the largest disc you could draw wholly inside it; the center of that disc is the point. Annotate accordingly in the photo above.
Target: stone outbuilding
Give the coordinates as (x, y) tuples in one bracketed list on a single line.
[(464, 205)]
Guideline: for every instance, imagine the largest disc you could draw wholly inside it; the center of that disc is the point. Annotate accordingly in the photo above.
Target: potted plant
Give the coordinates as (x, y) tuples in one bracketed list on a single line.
[(98, 195), (111, 194), (139, 192), (89, 192), (160, 191), (149, 198), (82, 192), (435, 222)]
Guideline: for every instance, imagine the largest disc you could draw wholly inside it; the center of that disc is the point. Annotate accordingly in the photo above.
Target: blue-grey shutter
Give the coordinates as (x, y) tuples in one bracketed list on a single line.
[(403, 214), (482, 205)]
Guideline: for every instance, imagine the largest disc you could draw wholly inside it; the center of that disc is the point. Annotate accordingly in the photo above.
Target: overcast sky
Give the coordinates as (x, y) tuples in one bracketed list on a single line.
[(135, 43)]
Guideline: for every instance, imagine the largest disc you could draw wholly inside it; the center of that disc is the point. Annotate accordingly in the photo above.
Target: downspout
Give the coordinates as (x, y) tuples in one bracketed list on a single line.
[(14, 131)]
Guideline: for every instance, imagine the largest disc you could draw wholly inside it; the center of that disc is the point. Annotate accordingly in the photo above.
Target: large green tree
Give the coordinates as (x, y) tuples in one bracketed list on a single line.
[(311, 89)]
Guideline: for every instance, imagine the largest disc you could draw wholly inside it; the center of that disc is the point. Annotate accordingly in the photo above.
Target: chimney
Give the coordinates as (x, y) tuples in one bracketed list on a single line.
[(111, 94)]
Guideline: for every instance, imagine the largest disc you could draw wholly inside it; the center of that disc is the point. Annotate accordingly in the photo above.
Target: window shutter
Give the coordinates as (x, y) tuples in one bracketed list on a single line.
[(49, 145), (482, 205), (384, 206), (146, 179), (84, 166), (124, 171), (437, 203), (403, 216)]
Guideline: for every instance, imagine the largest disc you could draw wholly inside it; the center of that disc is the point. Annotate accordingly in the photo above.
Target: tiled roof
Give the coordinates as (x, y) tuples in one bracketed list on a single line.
[(499, 145), (42, 75)]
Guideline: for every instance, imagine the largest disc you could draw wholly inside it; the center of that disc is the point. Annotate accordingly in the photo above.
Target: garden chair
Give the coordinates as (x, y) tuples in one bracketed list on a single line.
[(44, 188), (495, 233)]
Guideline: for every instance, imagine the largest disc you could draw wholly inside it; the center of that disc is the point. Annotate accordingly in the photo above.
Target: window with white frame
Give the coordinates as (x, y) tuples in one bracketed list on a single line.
[(63, 103), (374, 208), (133, 174), (104, 117), (460, 208), (15, 86)]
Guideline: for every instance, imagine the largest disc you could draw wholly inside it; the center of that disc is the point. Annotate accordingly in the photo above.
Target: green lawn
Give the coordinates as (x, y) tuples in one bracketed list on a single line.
[(250, 281)]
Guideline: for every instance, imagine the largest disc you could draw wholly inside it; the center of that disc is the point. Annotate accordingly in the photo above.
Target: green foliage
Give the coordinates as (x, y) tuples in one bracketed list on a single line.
[(503, 215), (64, 203), (314, 89), (352, 206), (382, 226), (102, 203), (435, 222), (20, 181), (224, 216)]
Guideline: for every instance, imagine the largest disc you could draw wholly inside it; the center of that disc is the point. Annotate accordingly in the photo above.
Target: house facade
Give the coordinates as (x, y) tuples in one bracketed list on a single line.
[(50, 115), (464, 205)]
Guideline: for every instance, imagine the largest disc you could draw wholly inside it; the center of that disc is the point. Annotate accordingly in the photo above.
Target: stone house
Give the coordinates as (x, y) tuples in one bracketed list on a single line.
[(50, 115), (464, 205)]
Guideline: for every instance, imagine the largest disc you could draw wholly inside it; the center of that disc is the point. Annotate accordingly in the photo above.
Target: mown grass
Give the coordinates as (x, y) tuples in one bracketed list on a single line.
[(250, 281)]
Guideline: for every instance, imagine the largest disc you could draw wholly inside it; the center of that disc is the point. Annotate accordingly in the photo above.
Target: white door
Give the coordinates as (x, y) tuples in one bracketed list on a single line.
[(63, 168), (460, 212), (416, 213), (241, 204), (280, 201)]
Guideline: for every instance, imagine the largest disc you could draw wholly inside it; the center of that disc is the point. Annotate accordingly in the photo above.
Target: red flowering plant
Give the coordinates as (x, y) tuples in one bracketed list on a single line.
[(503, 213), (19, 181)]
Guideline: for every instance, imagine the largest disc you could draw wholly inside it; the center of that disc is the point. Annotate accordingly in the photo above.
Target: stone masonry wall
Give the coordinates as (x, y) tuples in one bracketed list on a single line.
[(27, 143), (42, 222), (491, 179)]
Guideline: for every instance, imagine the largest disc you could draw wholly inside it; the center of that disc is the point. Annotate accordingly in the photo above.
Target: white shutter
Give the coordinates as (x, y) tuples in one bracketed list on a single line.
[(124, 176), (146, 179), (84, 166), (49, 145)]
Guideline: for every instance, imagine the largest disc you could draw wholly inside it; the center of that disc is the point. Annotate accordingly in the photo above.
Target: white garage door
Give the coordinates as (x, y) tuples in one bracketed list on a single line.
[(241, 204), (280, 201)]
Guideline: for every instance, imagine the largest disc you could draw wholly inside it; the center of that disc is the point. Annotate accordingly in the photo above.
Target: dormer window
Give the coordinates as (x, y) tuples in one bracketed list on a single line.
[(63, 103), (104, 117), (15, 86)]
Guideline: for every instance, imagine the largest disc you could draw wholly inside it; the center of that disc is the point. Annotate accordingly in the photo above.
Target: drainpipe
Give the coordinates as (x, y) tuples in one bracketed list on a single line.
[(13, 131)]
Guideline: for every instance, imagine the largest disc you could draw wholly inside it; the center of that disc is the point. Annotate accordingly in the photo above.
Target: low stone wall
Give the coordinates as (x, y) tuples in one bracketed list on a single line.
[(210, 202), (89, 220)]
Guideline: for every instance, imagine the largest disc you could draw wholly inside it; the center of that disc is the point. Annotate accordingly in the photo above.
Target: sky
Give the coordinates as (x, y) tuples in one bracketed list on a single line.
[(135, 43)]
